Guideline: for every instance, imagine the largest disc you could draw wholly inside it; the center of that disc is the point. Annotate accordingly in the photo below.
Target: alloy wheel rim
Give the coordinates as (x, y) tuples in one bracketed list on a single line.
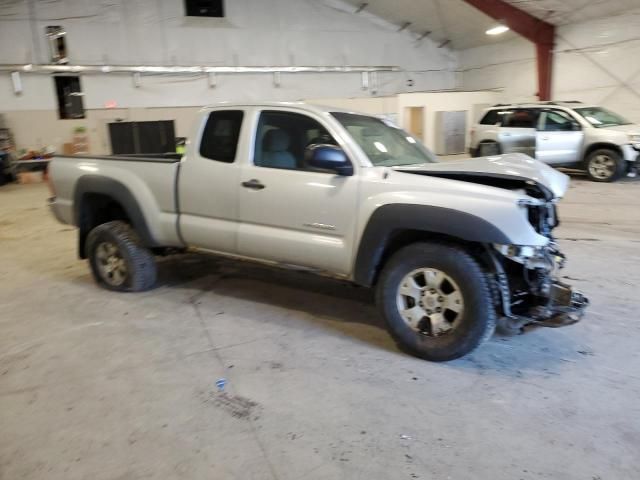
[(602, 166), (430, 302), (111, 264)]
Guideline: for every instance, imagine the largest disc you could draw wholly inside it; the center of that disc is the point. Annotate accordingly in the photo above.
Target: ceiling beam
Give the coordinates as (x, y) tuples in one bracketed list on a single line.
[(541, 33)]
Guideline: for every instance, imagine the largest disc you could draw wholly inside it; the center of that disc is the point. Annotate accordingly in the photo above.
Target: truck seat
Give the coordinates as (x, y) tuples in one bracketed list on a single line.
[(275, 150)]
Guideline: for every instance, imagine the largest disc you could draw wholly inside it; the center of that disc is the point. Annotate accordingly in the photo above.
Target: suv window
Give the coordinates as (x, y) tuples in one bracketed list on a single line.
[(490, 118), (556, 121), (220, 136), (519, 118), (282, 137)]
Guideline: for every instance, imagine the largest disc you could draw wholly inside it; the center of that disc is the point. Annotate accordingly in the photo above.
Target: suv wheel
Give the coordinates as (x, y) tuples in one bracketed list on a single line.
[(118, 260), (488, 149), (605, 165), (436, 301)]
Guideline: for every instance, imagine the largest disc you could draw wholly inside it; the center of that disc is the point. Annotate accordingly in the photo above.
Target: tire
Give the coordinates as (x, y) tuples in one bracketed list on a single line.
[(473, 324), (487, 149), (605, 165), (115, 246)]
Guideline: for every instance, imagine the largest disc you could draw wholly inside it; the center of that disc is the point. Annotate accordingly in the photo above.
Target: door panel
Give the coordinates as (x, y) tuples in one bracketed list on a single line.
[(559, 147), (287, 212), (518, 132), (518, 140), (209, 183), (299, 218), (559, 138)]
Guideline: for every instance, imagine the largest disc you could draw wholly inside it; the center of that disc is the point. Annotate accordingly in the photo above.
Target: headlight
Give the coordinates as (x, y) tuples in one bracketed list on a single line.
[(519, 253), (546, 258)]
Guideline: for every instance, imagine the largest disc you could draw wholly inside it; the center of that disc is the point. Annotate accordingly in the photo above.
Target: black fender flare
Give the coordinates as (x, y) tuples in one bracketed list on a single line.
[(97, 184), (388, 220)]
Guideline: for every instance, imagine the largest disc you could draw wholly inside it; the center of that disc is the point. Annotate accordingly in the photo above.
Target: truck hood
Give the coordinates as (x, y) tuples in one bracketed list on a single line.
[(513, 170), (631, 129)]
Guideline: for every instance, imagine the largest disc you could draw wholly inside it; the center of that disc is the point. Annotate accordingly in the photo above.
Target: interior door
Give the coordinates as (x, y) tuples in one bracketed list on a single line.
[(208, 183), (289, 213), (415, 121), (559, 138), (518, 132)]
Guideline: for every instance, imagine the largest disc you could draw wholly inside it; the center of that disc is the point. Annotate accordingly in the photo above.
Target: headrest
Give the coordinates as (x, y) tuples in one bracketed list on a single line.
[(276, 141)]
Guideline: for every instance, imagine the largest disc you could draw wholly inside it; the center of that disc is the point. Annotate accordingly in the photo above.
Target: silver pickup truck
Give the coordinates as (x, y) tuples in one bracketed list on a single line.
[(452, 248)]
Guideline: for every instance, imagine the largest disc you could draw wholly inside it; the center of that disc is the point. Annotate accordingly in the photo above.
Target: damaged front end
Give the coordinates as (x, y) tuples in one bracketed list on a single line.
[(529, 291), (525, 279)]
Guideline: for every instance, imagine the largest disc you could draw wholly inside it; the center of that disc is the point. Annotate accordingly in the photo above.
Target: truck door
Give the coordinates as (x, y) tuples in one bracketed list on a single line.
[(208, 183), (560, 138), (289, 213), (518, 132)]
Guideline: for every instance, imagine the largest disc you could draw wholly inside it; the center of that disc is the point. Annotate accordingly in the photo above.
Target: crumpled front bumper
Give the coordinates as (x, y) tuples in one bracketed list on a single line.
[(565, 307)]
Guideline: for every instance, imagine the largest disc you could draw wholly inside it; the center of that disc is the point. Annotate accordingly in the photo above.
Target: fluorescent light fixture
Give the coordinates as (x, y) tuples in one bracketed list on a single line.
[(497, 30)]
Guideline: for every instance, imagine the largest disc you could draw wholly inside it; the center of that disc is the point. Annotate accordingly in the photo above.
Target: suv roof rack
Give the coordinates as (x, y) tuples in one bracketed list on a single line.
[(555, 102)]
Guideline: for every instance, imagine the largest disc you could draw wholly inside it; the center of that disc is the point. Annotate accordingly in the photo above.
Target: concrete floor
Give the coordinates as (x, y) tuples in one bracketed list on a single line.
[(97, 385)]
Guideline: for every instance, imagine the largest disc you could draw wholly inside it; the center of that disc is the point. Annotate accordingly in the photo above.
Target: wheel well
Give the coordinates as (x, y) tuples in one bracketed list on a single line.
[(598, 146), (400, 239), (96, 209)]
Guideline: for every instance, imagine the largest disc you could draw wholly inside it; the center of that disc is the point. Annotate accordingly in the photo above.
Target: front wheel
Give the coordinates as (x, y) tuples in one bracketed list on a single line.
[(118, 260), (604, 165), (436, 301)]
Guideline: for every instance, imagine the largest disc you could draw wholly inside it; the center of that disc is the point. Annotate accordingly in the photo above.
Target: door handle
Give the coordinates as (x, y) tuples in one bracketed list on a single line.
[(545, 138), (253, 184)]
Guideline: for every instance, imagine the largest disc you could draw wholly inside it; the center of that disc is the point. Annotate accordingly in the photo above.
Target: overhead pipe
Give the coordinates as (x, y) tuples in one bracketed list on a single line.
[(180, 70), (541, 33)]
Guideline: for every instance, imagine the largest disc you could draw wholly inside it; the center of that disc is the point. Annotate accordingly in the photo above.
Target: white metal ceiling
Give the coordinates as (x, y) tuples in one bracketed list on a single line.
[(465, 26)]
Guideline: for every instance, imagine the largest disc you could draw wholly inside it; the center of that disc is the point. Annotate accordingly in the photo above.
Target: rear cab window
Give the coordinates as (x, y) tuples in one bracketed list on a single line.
[(219, 139)]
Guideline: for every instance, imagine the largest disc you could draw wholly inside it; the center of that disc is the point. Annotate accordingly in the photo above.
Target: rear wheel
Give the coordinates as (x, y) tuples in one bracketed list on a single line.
[(605, 165), (436, 301), (488, 149), (118, 260)]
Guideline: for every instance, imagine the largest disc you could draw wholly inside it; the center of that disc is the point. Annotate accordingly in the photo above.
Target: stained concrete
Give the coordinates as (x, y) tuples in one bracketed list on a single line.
[(98, 385)]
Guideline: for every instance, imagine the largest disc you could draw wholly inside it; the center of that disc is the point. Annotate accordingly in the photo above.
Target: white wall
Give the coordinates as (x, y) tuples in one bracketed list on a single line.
[(433, 102), (596, 62), (255, 32), (373, 106)]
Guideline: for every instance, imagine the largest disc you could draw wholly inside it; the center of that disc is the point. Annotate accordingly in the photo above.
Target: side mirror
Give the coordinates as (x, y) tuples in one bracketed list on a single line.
[(328, 158), (576, 127)]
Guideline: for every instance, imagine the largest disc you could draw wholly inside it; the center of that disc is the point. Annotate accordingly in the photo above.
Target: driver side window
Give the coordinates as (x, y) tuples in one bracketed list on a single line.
[(557, 121), (282, 137)]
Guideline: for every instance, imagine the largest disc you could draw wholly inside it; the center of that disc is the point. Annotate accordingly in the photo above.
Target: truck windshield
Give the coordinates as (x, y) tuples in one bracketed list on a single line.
[(384, 144), (601, 117)]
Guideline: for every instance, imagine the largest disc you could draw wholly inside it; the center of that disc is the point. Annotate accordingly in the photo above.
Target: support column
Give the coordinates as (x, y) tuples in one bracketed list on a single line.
[(541, 33), (544, 55)]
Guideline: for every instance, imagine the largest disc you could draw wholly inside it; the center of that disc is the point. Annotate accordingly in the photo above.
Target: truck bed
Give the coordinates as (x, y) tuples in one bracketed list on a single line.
[(144, 186)]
